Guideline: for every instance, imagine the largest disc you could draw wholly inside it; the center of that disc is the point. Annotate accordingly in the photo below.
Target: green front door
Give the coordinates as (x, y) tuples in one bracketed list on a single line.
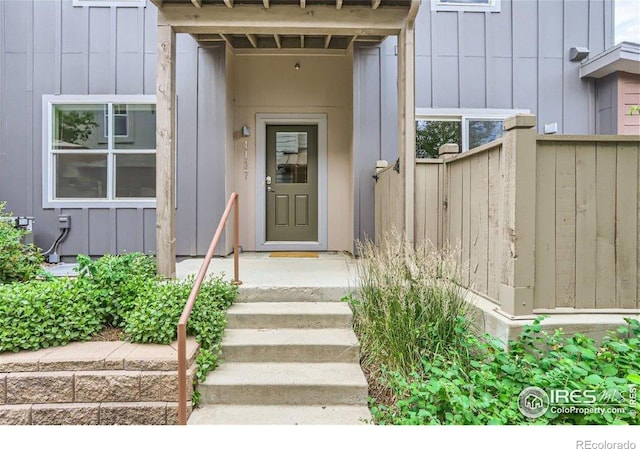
[(292, 183)]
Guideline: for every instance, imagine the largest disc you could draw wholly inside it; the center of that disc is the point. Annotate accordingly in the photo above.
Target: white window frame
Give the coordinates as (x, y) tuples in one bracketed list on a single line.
[(110, 3), (48, 165), (440, 5), (115, 114), (463, 116)]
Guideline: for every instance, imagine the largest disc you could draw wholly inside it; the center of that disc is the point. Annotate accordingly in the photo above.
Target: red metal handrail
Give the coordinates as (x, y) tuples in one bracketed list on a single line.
[(186, 312)]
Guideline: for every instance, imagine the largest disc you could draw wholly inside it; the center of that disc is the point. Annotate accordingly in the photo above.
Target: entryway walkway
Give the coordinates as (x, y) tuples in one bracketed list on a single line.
[(289, 353)]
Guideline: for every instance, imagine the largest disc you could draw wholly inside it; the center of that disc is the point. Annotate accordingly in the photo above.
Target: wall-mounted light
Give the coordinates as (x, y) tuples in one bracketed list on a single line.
[(245, 131), (297, 66)]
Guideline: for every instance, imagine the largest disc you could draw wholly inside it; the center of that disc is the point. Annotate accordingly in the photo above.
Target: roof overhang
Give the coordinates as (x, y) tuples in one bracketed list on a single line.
[(277, 24), (624, 57)]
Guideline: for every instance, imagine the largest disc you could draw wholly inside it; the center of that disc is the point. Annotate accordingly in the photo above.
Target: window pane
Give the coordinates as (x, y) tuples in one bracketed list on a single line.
[(135, 127), (78, 126), (431, 135), (291, 157), (483, 131), (81, 176), (136, 175)]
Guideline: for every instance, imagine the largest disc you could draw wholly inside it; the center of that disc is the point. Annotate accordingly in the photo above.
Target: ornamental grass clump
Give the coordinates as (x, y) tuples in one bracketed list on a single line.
[(409, 303)]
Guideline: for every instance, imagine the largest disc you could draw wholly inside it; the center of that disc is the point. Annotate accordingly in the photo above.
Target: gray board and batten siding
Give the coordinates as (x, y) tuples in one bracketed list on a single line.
[(55, 48), (513, 59), (517, 58)]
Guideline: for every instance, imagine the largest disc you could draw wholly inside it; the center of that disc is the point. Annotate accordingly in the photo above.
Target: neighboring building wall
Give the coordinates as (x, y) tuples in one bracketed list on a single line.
[(628, 95), (269, 84), (607, 104), (52, 47)]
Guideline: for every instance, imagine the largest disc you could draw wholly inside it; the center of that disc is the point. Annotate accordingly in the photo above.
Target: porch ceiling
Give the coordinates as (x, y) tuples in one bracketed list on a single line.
[(286, 24)]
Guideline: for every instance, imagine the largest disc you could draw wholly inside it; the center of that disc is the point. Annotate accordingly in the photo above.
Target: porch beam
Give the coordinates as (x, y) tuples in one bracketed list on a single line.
[(406, 124), (165, 151), (375, 4), (229, 3), (197, 3), (316, 20)]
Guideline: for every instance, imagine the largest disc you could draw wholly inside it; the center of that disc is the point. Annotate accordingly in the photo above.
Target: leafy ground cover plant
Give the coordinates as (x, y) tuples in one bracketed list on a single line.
[(115, 291), (116, 282), (38, 314), (18, 261), (484, 389)]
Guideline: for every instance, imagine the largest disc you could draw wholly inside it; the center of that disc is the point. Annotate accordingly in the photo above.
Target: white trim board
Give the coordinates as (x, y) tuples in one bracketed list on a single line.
[(262, 120)]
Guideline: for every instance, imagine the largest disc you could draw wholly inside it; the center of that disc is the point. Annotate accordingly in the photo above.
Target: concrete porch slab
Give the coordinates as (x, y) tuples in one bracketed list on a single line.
[(328, 277)]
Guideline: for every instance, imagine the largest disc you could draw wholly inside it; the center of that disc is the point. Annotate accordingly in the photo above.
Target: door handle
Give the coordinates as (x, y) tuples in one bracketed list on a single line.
[(268, 183)]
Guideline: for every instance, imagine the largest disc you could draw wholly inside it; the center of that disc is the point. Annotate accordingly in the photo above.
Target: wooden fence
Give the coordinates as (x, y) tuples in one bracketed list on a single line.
[(587, 223), (543, 223)]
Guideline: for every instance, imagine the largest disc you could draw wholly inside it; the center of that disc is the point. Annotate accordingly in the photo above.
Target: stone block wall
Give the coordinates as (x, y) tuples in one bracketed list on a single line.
[(99, 383)]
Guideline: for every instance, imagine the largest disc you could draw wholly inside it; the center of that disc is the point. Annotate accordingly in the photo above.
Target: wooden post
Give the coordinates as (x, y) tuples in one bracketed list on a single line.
[(518, 218), (165, 156), (406, 124)]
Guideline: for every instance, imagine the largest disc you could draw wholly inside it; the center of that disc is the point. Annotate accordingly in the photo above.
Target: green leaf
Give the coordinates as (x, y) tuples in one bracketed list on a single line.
[(593, 379), (633, 378)]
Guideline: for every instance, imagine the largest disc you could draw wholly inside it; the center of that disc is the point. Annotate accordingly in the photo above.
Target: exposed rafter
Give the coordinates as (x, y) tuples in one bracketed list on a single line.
[(375, 3), (197, 3), (229, 3), (226, 39), (327, 41), (302, 41), (303, 3), (265, 3), (252, 40), (338, 4), (276, 37)]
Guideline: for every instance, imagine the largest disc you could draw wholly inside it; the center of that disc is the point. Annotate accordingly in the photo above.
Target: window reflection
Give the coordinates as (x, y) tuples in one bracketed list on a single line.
[(291, 157)]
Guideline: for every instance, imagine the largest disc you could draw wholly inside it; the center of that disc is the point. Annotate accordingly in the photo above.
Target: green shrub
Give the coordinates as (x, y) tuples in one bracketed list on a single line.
[(481, 383), (156, 310), (39, 314), (18, 261), (116, 282), (408, 305)]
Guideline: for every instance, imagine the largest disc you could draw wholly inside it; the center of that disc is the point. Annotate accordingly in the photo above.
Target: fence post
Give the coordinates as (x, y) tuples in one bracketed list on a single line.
[(518, 219), (445, 152)]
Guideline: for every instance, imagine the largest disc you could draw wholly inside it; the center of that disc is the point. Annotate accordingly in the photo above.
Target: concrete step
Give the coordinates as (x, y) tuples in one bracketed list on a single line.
[(290, 315), (290, 345), (280, 414), (285, 384), (249, 293)]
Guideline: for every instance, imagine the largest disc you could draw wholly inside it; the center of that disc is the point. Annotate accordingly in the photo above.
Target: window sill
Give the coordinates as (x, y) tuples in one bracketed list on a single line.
[(99, 204), (108, 3), (468, 7)]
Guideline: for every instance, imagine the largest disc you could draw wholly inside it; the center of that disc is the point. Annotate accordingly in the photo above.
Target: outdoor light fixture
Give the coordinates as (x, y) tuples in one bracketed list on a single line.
[(297, 66)]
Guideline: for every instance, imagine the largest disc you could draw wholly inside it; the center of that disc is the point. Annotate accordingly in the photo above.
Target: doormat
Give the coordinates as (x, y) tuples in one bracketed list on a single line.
[(295, 254)]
